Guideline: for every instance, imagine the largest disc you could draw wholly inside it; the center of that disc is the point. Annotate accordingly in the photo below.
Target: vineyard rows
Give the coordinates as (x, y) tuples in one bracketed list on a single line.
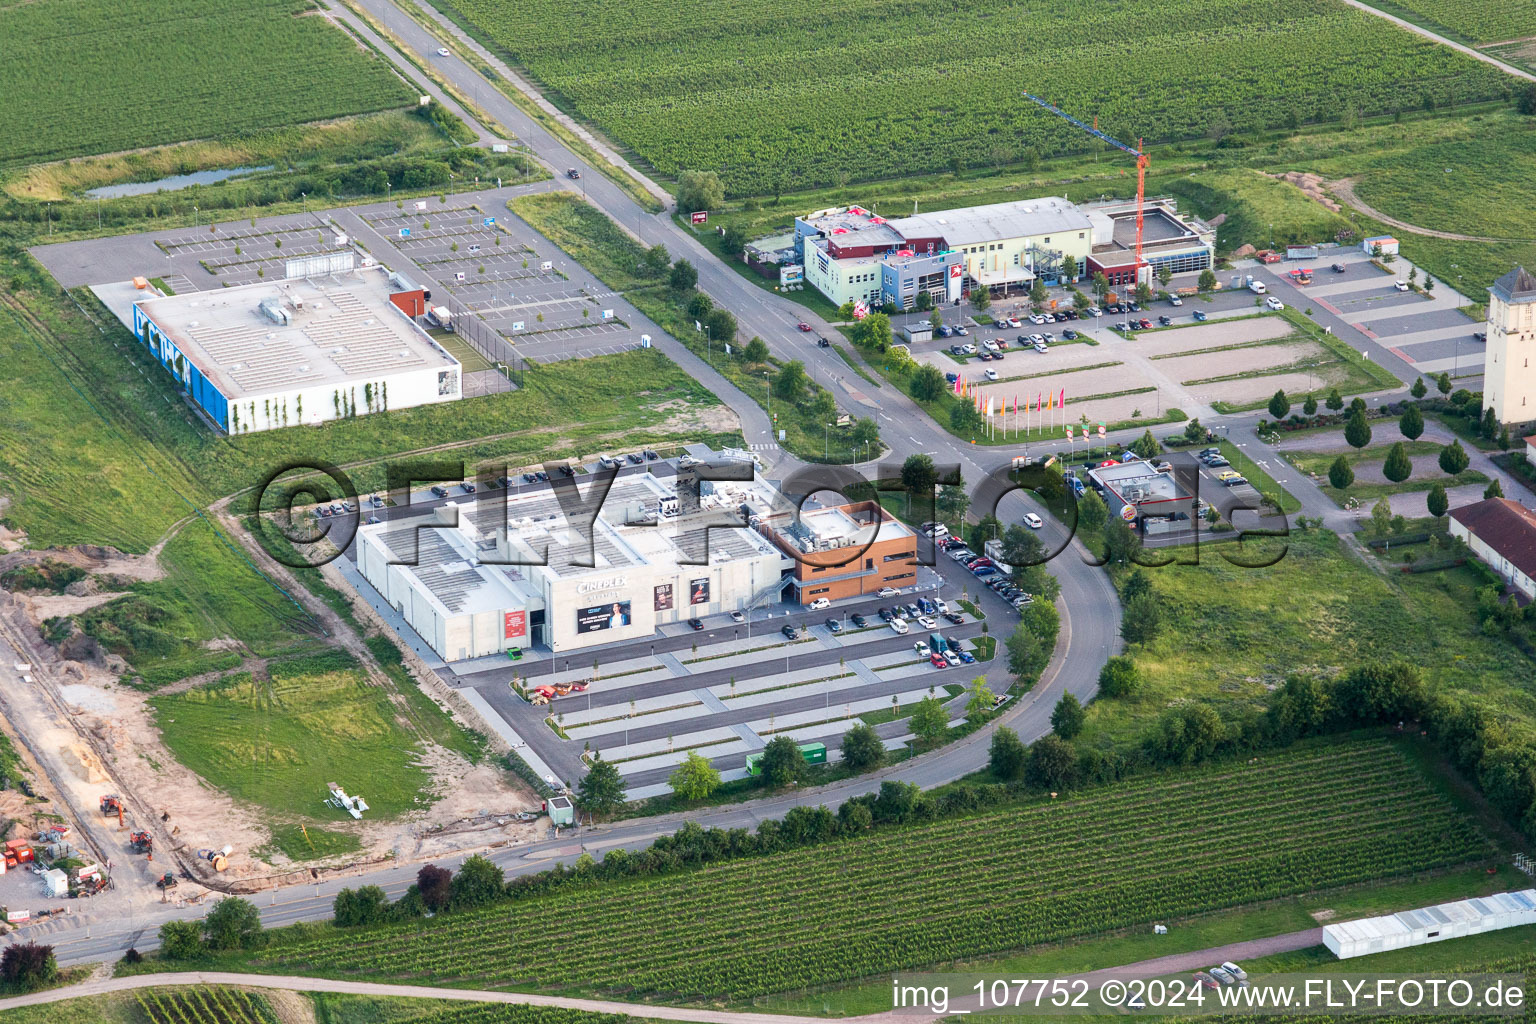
[(205, 1006), (92, 76), (954, 889), (777, 94), (1481, 21), (236, 1006)]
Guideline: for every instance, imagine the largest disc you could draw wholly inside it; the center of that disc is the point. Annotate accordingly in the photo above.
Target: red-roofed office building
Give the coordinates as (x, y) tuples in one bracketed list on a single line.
[(1502, 533)]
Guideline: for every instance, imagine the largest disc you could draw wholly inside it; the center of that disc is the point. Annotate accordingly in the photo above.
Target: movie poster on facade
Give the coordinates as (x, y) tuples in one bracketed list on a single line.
[(663, 597), (611, 615), (517, 625), (698, 591)]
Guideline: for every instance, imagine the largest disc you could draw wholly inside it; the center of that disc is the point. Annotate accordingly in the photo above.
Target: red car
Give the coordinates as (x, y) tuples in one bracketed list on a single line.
[(937, 660), (805, 327)]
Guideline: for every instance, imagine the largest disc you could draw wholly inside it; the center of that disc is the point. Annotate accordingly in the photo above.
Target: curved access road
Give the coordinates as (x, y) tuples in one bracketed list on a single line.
[(1089, 605)]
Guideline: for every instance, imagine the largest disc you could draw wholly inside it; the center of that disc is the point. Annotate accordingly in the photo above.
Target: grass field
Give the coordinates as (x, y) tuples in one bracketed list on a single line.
[(98, 77), (781, 96), (210, 608), (1230, 634), (1468, 178), (276, 742), (1421, 480), (939, 892), (121, 458)]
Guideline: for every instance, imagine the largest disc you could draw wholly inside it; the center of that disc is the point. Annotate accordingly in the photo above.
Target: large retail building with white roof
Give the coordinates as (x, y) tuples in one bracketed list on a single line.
[(482, 577)]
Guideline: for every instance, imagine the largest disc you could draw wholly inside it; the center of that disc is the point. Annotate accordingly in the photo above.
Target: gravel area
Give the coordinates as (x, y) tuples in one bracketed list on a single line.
[(1212, 334), (1242, 360)]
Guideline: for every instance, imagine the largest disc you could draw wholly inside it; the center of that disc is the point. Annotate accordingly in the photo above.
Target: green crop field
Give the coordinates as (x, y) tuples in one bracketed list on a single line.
[(223, 1005), (779, 95), (88, 76), (1478, 21), (199, 1004), (953, 889)]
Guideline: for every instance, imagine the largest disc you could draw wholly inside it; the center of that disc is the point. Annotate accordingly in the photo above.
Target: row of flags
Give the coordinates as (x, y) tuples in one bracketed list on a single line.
[(995, 408)]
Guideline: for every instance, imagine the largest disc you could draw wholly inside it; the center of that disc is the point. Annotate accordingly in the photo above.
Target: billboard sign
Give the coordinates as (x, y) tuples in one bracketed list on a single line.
[(421, 204), (1128, 513), (663, 597), (698, 591), (792, 273), (489, 222), (699, 217), (517, 624), (547, 265), (517, 325), (613, 615), (607, 314), (405, 232)]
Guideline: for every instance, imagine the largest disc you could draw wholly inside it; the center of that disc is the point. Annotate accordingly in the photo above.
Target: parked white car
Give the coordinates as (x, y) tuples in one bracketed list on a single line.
[(1400, 285), (899, 627), (887, 592), (1274, 303), (921, 647), (820, 603)]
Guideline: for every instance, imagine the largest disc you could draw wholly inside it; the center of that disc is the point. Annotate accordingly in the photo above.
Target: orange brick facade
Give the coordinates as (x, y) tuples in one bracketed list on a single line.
[(856, 570)]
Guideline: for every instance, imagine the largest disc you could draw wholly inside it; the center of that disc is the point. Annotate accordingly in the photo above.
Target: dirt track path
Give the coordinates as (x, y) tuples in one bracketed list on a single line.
[(1344, 189)]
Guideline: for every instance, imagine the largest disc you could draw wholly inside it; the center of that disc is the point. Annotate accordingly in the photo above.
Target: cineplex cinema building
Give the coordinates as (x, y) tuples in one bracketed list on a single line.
[(451, 582)]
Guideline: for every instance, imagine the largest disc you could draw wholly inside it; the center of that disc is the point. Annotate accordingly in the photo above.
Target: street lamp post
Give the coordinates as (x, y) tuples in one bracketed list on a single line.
[(826, 437)]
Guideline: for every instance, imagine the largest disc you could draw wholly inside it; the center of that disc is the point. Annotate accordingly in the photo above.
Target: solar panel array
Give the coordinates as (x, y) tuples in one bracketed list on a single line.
[(356, 339), (252, 360)]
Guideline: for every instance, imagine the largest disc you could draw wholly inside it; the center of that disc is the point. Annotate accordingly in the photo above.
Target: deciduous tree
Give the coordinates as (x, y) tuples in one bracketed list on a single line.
[(1007, 754), (863, 750), (699, 190), (1067, 718), (782, 762), (1453, 458), (233, 923), (1119, 677), (695, 778), (929, 721)]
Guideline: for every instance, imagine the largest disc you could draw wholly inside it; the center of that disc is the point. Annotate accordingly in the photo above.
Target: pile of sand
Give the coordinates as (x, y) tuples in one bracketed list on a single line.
[(1312, 185)]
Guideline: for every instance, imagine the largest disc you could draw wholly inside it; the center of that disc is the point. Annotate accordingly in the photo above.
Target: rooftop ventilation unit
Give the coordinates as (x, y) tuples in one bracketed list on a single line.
[(274, 311)]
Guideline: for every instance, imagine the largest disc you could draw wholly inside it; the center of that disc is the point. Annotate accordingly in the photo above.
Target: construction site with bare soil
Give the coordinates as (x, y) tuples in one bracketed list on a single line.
[(270, 771)]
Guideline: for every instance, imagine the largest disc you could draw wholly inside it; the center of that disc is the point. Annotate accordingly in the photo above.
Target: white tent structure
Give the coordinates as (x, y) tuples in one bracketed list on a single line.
[(1431, 924)]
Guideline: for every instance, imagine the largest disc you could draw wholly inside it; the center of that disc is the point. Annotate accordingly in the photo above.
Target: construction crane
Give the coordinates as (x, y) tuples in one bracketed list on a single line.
[(1142, 161)]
